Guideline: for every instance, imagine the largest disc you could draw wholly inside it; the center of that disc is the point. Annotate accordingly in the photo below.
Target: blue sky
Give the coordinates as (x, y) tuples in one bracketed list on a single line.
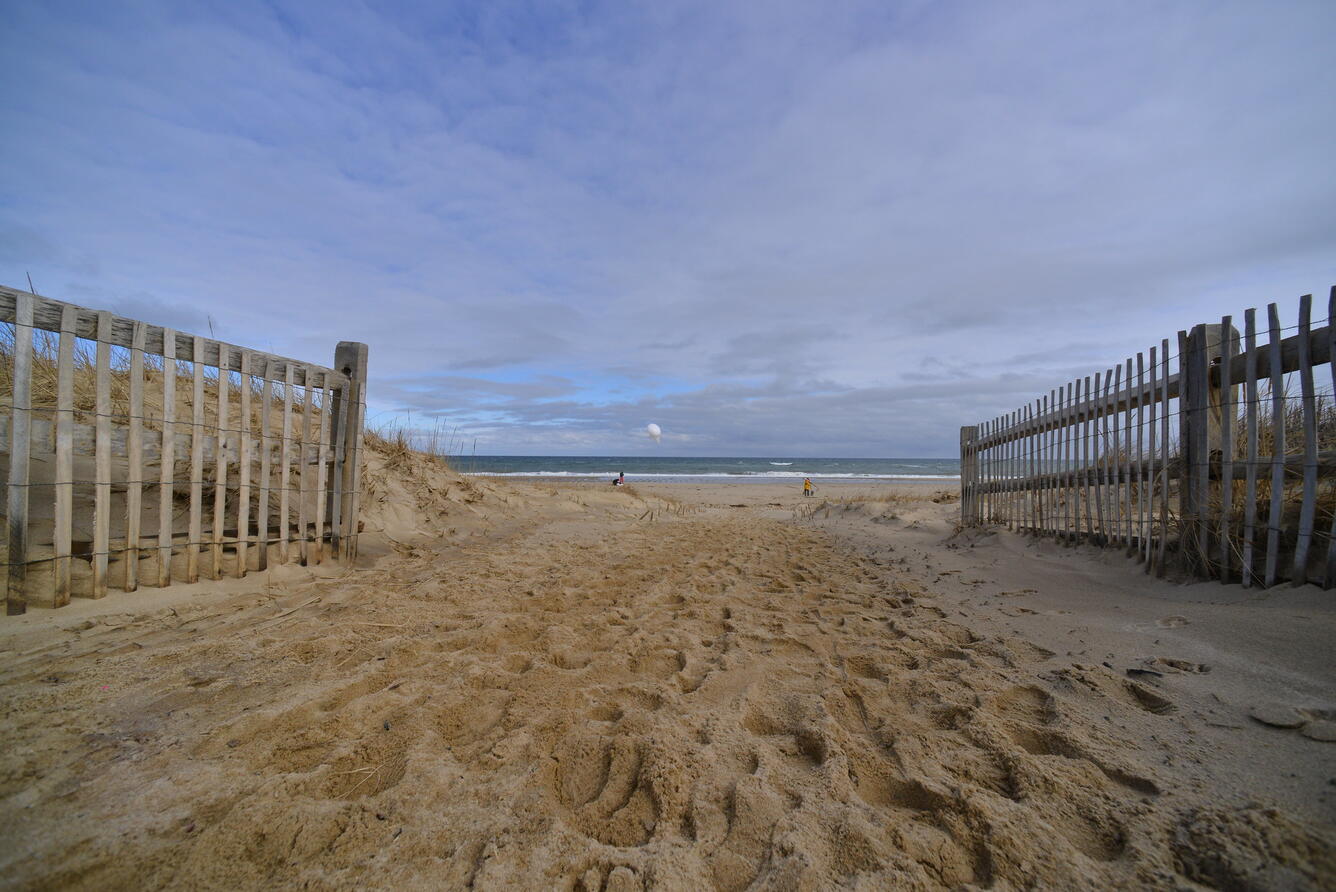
[(775, 229)]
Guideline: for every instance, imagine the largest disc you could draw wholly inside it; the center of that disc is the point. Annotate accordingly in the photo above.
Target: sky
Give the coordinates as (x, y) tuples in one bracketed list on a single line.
[(783, 229)]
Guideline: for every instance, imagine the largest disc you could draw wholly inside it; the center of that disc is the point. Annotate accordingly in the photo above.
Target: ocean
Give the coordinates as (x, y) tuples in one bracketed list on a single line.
[(662, 469)]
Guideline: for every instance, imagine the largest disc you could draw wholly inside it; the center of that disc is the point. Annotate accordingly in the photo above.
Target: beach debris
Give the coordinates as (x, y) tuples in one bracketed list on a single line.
[(655, 432), (1277, 716)]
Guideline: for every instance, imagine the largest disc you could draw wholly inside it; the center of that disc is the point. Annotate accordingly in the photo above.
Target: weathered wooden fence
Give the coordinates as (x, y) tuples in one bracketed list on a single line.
[(1218, 457), (134, 454)]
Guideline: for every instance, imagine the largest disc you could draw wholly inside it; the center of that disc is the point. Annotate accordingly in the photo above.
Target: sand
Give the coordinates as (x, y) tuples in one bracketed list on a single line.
[(672, 687)]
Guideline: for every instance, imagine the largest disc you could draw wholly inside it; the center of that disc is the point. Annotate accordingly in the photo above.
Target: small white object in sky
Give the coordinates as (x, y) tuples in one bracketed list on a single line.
[(654, 431)]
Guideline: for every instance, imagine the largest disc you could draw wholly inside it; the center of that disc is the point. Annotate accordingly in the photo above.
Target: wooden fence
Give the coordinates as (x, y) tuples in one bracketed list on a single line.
[(1218, 458), (135, 454)]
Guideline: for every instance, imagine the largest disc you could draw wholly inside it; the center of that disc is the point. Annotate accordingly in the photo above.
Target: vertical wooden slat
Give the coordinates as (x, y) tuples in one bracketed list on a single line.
[(167, 472), (1027, 470), (1073, 433), (966, 484), (1162, 546), (20, 453), (285, 469), (266, 468), (981, 456), (102, 457), (1199, 403), (196, 528), (1006, 473), (1308, 508), (1329, 578), (1250, 404), (1153, 406), (1226, 447), (1041, 463), (1117, 458), (1185, 545), (1036, 464), (243, 466), (1097, 454), (134, 451), (1049, 465), (62, 532), (303, 475), (220, 464), (1140, 474), (1125, 460), (338, 417), (1277, 449), (1087, 483), (322, 461), (1009, 458), (1060, 453)]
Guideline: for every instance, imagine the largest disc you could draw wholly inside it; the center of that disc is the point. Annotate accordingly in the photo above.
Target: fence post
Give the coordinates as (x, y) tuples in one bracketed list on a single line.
[(967, 475), (20, 445), (350, 358), (1202, 404)]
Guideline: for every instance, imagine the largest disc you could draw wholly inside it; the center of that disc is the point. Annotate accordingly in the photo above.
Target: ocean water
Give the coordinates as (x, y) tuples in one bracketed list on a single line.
[(719, 470)]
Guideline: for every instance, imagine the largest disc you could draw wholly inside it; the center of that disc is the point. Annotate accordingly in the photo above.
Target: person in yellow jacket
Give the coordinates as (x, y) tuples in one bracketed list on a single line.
[(807, 486)]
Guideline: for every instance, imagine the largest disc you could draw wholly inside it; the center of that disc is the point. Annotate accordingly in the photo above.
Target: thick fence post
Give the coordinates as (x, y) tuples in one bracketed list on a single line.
[(350, 358), (1202, 403), (20, 445), (968, 471)]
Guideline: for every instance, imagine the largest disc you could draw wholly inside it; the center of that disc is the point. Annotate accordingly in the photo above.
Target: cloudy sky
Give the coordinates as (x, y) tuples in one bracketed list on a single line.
[(782, 228)]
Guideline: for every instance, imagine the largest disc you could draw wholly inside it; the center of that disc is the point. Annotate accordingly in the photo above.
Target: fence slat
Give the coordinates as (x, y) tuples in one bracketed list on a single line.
[(220, 468), (134, 451), (322, 479), (1064, 462), (1051, 475), (1329, 578), (1250, 409), (1226, 446), (266, 468), (1136, 541), (1184, 465), (196, 534), (1116, 460), (1148, 546), (1308, 507), (1097, 451), (20, 453), (1125, 460), (102, 457), (167, 473), (285, 471), (1087, 485), (1139, 542), (63, 524), (1164, 458), (243, 466), (304, 480), (1277, 452)]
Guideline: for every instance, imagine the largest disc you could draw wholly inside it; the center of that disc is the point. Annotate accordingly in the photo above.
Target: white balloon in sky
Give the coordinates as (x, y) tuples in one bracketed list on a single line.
[(654, 431)]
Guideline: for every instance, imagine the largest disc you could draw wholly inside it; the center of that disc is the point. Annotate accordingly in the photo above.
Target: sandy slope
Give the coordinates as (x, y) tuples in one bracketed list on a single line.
[(586, 688)]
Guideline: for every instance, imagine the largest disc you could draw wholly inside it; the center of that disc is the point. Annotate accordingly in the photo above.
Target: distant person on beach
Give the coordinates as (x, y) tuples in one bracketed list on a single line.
[(807, 486), (620, 479)]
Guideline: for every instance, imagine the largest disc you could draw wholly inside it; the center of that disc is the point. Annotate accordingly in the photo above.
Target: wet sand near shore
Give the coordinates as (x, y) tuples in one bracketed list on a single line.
[(675, 686)]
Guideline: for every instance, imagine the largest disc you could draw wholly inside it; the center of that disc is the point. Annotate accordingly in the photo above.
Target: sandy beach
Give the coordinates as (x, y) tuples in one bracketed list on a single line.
[(675, 686)]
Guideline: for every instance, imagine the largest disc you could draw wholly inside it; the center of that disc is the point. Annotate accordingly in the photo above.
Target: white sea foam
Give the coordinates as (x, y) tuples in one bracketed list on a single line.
[(781, 475)]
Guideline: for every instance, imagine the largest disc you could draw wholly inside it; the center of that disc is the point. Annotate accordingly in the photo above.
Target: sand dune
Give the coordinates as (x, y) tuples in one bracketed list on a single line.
[(583, 688)]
